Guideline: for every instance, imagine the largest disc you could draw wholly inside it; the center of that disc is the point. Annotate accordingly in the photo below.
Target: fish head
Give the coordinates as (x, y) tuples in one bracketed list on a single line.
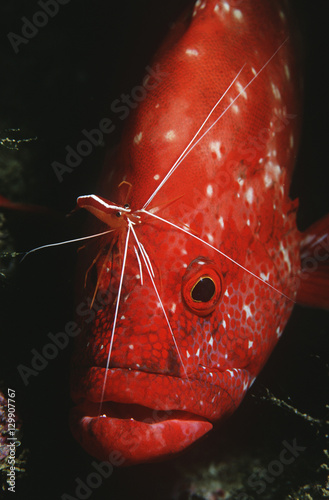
[(182, 304)]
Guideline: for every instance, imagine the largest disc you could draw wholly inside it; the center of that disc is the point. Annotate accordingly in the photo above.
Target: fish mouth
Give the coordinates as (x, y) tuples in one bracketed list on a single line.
[(144, 416), (128, 434)]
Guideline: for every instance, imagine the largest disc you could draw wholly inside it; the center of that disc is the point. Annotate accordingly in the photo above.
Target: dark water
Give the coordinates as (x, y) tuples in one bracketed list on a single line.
[(61, 82)]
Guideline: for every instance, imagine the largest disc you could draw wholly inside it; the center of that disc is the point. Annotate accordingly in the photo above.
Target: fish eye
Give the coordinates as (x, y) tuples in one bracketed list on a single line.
[(118, 214), (202, 286), (126, 206), (203, 290)]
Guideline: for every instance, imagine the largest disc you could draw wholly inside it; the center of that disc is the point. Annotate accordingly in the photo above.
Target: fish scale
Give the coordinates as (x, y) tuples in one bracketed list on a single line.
[(223, 216)]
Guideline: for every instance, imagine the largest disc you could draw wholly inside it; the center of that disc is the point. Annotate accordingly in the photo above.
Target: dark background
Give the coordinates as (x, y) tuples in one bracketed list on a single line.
[(61, 82)]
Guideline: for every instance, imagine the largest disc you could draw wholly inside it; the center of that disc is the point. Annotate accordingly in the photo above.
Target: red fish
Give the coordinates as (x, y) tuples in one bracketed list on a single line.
[(183, 299)]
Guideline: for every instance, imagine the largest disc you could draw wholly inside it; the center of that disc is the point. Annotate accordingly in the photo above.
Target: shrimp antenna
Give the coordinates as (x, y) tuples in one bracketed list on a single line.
[(49, 245), (218, 251), (192, 144), (115, 315), (187, 150), (148, 266)]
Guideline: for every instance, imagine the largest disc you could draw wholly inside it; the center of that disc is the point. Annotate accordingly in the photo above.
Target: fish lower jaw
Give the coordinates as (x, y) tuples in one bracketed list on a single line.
[(146, 416), (134, 433)]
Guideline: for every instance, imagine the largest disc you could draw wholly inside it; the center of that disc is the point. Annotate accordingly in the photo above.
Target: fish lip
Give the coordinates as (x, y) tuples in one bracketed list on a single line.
[(128, 441), (138, 393), (133, 412), (209, 395)]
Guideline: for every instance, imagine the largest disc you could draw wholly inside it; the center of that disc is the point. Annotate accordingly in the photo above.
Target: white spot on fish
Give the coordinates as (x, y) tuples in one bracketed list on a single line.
[(215, 148), (282, 15), (276, 170), (173, 308), (192, 52), (138, 138), (123, 317), (279, 332), (250, 196), (198, 352), (268, 180), (254, 71), (250, 344), (264, 276), (248, 311), (156, 177), (211, 342), (224, 323), (188, 355), (210, 191), (240, 181), (221, 222), (248, 222), (276, 91), (170, 135), (226, 6), (235, 108), (285, 256), (230, 372), (131, 347), (287, 71), (238, 14), (210, 238), (272, 174), (199, 4), (241, 91), (226, 293)]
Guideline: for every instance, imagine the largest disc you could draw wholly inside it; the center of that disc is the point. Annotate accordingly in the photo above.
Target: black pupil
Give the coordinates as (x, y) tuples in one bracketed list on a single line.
[(204, 290), (118, 214)]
